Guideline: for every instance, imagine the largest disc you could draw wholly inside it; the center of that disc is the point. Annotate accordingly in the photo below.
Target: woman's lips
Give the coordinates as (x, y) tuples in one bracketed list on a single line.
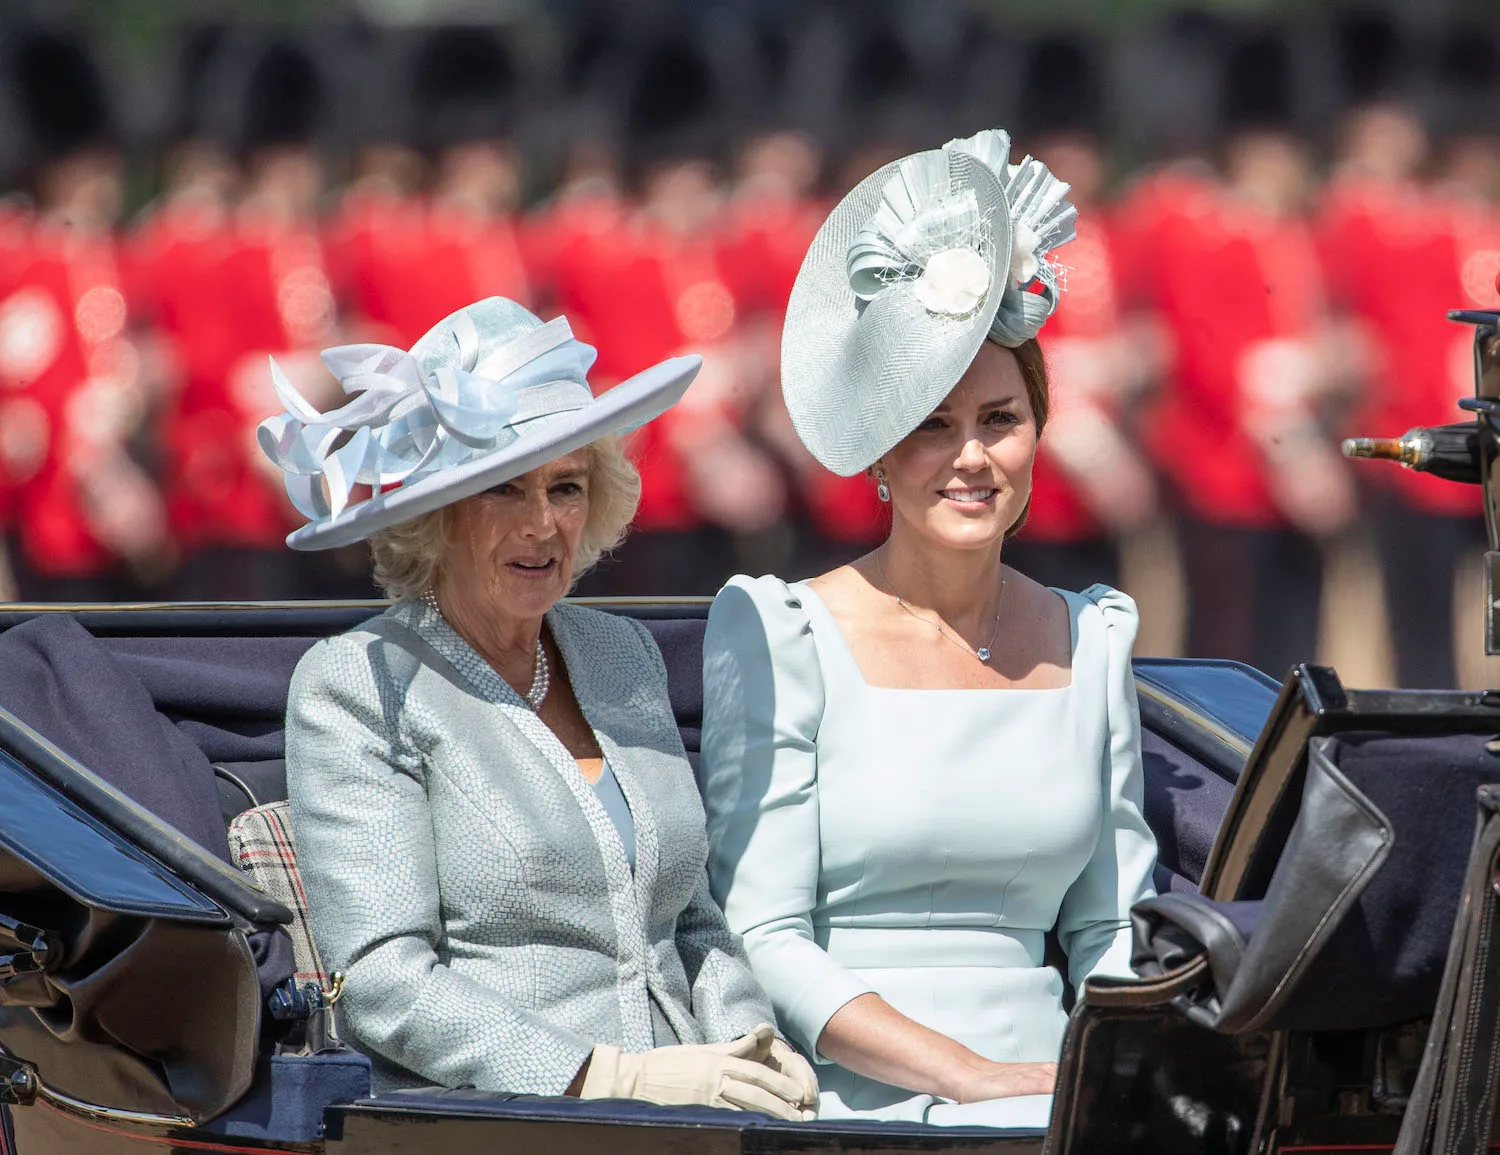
[(977, 498), (533, 569)]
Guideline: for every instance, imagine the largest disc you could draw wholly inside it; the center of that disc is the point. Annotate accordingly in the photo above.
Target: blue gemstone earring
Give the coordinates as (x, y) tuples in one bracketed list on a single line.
[(882, 490)]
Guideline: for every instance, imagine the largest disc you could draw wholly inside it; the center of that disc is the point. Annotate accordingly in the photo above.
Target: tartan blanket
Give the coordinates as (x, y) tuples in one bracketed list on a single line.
[(260, 843)]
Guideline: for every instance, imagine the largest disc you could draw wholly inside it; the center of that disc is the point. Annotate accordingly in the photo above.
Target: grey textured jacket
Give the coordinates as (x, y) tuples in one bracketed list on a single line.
[(465, 877)]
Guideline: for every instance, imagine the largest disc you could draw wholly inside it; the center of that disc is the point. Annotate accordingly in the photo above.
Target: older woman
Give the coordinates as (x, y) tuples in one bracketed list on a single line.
[(501, 839), (918, 765)]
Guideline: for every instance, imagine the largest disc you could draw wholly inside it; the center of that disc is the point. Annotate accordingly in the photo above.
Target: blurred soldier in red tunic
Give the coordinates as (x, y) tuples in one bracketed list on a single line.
[(406, 264), (656, 288), (181, 235), (774, 208), (860, 80), (1468, 175), (256, 287), (387, 179), (1090, 482), (1393, 262), (72, 394), (581, 112), (1238, 430), (15, 442), (587, 210)]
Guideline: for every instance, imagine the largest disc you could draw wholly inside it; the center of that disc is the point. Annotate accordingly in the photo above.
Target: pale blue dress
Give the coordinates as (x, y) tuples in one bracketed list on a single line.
[(919, 844)]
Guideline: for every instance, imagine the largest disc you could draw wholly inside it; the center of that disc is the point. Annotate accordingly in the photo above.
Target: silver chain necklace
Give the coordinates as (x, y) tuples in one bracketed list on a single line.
[(983, 652), (541, 671)]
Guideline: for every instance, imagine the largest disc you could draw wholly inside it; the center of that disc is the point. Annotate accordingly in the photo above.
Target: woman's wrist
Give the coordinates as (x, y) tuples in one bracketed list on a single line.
[(962, 1078)]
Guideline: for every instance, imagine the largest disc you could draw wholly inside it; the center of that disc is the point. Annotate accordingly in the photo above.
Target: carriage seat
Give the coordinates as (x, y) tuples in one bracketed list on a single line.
[(1352, 931)]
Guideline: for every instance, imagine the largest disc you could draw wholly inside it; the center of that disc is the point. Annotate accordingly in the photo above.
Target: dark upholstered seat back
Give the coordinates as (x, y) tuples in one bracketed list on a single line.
[(1354, 927), (1383, 961), (225, 692)]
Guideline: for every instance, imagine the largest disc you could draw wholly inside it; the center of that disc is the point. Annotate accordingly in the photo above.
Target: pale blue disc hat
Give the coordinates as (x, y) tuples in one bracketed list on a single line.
[(487, 394), (912, 271)]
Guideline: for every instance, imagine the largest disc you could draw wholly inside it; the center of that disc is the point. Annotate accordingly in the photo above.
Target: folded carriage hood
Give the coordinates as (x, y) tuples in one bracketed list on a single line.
[(122, 984)]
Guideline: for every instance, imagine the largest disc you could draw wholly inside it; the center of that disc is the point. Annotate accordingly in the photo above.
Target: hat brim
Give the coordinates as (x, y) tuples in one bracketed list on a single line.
[(856, 381), (627, 406)]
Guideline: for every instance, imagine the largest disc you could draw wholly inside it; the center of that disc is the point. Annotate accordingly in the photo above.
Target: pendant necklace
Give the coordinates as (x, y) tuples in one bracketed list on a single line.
[(541, 671), (983, 652)]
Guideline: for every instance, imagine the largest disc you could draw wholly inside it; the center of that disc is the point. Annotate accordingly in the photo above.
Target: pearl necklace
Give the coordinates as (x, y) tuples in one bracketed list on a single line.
[(541, 671), (983, 652)]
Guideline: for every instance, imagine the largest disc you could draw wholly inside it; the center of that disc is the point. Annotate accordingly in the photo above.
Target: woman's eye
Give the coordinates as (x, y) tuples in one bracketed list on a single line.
[(1003, 417), (930, 425), (504, 489), (567, 489)]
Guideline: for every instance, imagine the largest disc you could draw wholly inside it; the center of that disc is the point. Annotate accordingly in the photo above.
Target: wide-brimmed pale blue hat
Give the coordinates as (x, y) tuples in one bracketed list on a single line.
[(918, 266), (486, 395)]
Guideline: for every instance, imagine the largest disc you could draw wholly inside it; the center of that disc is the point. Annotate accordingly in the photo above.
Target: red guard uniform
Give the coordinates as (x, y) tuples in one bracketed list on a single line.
[(640, 294), (1396, 256), (1399, 257), (70, 390), (556, 241), (1240, 292), (1063, 542), (761, 252), (15, 443), (251, 290), (1231, 279), (403, 265)]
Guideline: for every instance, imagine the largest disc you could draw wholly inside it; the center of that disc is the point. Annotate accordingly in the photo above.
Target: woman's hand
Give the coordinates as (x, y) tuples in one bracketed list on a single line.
[(873, 1039), (1004, 1081), (714, 1075), (784, 1058)]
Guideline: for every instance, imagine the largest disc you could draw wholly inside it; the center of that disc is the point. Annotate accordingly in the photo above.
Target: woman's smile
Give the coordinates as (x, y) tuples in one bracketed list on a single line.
[(974, 499)]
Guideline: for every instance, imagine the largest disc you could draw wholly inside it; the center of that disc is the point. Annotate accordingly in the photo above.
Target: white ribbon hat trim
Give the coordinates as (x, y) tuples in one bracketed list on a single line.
[(406, 424)]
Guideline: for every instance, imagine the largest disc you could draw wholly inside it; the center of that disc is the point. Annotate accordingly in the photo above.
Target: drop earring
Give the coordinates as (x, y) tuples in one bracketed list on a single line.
[(882, 490)]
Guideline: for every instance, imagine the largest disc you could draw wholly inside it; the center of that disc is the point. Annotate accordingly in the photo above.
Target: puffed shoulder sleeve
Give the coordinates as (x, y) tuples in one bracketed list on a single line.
[(1094, 923), (762, 705)]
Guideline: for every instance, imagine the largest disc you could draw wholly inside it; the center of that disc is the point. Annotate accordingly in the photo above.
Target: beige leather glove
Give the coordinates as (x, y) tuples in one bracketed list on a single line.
[(786, 1059), (715, 1075)]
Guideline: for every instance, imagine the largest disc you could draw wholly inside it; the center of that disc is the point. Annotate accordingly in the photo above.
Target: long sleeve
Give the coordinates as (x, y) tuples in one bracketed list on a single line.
[(365, 844), (762, 703), (1094, 922), (727, 1000)]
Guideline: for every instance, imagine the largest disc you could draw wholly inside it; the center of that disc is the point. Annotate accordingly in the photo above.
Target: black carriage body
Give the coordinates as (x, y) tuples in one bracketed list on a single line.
[(114, 918)]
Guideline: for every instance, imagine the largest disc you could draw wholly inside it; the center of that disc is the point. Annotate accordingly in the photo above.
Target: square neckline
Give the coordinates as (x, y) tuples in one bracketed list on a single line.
[(1073, 634)]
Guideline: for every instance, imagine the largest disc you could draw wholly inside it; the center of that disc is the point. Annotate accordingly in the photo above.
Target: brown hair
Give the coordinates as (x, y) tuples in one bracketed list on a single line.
[(1039, 393)]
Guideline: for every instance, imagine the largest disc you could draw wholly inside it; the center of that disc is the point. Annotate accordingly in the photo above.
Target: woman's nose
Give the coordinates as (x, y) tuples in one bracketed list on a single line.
[(971, 455), (536, 516)]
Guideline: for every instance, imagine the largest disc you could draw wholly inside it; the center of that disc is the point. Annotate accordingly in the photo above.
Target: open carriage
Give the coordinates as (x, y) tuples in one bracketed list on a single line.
[(1316, 974)]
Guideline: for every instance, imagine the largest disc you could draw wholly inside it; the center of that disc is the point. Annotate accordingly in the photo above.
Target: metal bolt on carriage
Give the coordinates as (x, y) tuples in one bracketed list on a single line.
[(1320, 971)]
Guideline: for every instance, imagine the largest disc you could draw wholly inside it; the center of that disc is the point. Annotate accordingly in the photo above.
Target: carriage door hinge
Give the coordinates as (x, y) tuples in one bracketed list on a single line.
[(18, 1083), (25, 949)]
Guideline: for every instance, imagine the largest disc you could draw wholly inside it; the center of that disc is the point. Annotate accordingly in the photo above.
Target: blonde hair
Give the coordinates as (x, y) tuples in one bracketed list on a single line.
[(409, 555)]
